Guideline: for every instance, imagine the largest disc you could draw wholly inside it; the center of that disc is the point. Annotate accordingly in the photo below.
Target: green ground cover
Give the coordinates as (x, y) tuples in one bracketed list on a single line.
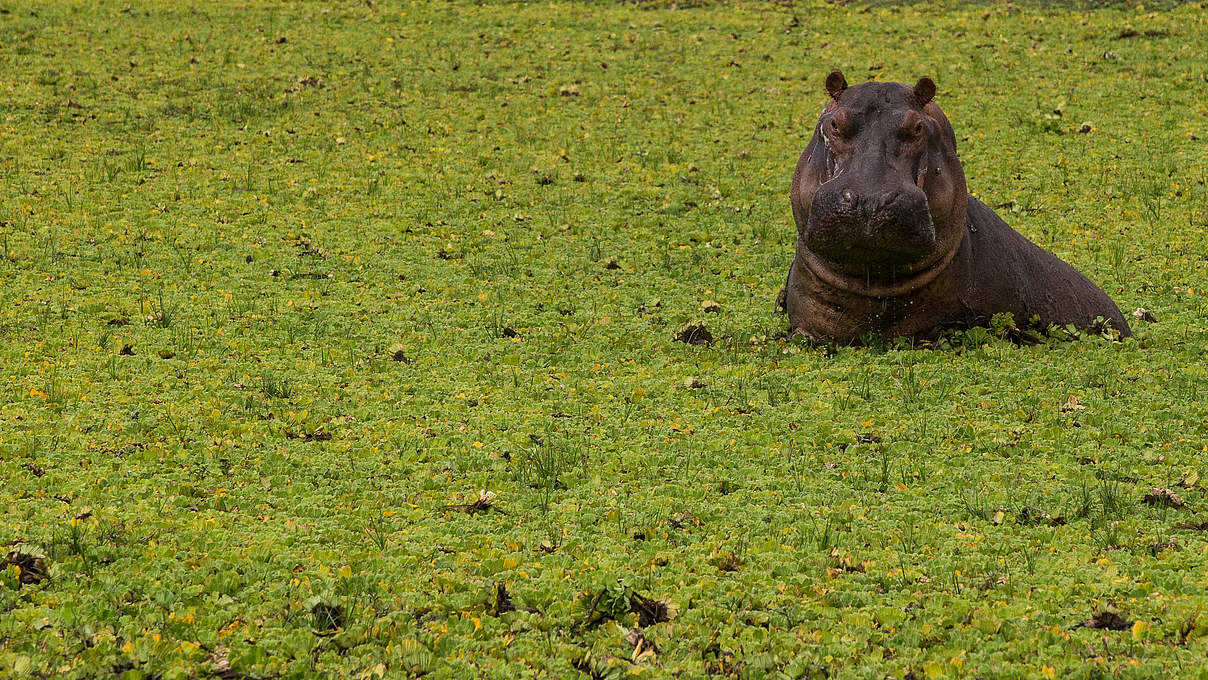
[(339, 338)]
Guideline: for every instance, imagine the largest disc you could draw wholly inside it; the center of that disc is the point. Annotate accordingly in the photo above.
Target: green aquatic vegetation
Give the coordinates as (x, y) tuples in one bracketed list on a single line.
[(377, 340)]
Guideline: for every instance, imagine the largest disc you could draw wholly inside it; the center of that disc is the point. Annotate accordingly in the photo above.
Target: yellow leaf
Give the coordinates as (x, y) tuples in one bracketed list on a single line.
[(345, 572), (477, 622), (1048, 671), (933, 669), (1139, 629), (1189, 479)]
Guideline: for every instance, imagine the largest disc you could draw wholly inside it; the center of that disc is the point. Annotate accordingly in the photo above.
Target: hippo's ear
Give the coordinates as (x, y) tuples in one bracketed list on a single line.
[(924, 91), (836, 84)]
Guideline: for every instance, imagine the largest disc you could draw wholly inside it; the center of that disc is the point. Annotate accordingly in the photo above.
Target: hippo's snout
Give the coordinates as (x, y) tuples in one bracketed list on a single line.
[(856, 228)]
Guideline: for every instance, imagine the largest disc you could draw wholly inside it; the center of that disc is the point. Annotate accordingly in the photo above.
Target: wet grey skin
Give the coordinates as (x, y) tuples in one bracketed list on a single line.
[(890, 243)]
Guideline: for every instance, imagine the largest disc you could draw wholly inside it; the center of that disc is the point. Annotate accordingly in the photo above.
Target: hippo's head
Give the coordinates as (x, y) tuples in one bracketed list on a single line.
[(879, 193)]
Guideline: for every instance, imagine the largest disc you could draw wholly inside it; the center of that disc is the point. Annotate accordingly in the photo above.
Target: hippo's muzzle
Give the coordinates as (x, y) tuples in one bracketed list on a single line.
[(878, 228)]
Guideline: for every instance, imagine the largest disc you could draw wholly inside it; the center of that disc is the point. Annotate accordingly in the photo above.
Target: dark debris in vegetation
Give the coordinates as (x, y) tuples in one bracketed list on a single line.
[(1106, 620), (34, 567), (328, 616), (612, 602), (503, 601), (1165, 498), (485, 502), (695, 334), (316, 436), (1037, 517)]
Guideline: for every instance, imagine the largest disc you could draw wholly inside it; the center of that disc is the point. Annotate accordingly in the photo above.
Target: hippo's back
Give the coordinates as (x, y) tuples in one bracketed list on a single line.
[(1004, 271)]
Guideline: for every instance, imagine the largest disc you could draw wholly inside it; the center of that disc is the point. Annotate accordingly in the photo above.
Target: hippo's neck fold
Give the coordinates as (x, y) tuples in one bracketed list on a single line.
[(911, 282)]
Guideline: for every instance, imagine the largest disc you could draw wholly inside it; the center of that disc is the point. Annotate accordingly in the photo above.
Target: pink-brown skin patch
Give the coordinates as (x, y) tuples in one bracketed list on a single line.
[(889, 241)]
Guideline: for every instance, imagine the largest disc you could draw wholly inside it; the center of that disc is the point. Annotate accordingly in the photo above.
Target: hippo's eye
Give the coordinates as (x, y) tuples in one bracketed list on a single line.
[(918, 128), (834, 127)]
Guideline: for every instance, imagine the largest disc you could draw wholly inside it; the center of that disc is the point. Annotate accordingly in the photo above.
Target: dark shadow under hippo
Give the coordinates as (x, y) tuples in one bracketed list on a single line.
[(890, 243)]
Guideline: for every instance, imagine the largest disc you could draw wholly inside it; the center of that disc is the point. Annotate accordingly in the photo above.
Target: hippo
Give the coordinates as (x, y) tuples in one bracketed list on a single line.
[(891, 244)]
